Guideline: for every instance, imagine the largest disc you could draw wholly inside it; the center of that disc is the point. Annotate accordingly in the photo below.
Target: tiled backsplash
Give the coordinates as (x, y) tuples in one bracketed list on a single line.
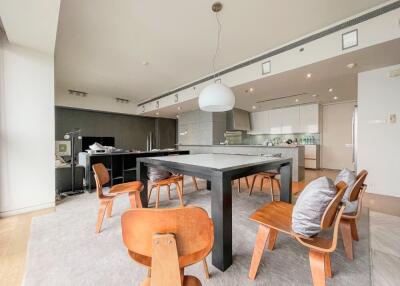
[(248, 139)]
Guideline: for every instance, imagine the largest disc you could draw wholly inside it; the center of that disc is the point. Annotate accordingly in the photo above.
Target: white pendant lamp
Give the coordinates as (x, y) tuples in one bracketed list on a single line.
[(216, 97)]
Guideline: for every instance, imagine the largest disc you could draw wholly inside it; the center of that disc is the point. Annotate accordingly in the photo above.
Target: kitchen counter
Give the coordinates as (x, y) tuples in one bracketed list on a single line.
[(294, 152)]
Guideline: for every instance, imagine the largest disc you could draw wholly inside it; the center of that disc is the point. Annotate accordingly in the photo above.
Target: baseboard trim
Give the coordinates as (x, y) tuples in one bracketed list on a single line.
[(27, 209), (381, 203)]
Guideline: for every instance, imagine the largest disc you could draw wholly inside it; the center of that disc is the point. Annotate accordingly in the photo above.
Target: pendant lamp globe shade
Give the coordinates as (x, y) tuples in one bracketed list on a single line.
[(216, 97)]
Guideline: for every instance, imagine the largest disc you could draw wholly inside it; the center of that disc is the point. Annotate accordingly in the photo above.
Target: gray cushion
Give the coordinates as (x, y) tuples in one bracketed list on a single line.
[(349, 178), (156, 174), (311, 205)]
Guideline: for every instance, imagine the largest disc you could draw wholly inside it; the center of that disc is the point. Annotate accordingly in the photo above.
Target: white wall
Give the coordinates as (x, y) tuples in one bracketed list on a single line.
[(26, 129), (379, 140), (337, 135)]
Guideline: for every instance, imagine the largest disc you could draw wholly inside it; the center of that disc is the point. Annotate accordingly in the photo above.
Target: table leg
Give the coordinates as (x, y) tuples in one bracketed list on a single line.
[(141, 175), (286, 182), (208, 185), (221, 212)]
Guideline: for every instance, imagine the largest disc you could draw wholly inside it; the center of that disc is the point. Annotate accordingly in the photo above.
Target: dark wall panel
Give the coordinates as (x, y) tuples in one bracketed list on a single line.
[(130, 131)]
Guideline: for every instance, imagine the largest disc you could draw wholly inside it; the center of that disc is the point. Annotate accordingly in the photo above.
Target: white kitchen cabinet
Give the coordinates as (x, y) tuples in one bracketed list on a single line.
[(309, 118), (311, 156), (259, 122), (275, 121), (290, 120)]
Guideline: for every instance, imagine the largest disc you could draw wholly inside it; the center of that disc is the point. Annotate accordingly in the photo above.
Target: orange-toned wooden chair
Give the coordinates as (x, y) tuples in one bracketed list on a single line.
[(348, 225), (271, 178), (102, 177), (167, 241), (175, 179), (277, 217)]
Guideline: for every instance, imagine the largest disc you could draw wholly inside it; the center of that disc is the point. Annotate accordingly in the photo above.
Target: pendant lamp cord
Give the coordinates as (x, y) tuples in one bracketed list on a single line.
[(218, 43)]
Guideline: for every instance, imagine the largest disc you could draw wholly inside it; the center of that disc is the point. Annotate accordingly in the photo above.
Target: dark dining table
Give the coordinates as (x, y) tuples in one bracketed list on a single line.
[(219, 170)]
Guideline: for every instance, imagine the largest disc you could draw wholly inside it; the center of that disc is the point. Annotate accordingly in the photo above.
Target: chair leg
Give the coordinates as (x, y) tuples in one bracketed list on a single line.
[(178, 190), (279, 185), (252, 184), (158, 196), (149, 194), (273, 234), (238, 185), (109, 208), (205, 266), (100, 216), (138, 200), (261, 239), (247, 182), (262, 183), (317, 264), (345, 229), (149, 272), (328, 269), (195, 183), (169, 192), (354, 232), (132, 199), (271, 185)]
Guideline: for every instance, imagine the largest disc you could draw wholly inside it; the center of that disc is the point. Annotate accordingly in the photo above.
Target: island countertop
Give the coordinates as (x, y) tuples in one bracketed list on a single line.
[(240, 145)]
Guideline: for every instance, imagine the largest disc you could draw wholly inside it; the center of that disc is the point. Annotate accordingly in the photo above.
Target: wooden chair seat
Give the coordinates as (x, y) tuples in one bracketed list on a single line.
[(276, 215), (126, 187), (167, 181), (175, 179), (187, 281)]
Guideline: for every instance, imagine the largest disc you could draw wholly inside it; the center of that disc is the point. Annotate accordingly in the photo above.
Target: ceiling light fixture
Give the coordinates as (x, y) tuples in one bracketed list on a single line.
[(309, 75), (254, 107), (314, 95), (157, 113), (177, 116), (330, 90), (179, 107), (335, 97), (297, 100), (351, 65), (251, 89), (216, 97), (145, 63)]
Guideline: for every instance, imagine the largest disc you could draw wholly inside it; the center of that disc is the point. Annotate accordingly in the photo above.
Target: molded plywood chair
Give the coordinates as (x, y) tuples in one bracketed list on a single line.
[(167, 241), (102, 177), (277, 217), (348, 226), (271, 178), (175, 179)]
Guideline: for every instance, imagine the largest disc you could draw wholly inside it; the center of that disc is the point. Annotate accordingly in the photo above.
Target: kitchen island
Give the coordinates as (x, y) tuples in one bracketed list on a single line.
[(296, 153)]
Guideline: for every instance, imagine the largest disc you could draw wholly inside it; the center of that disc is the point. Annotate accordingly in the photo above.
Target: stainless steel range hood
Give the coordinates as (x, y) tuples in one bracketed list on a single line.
[(238, 119)]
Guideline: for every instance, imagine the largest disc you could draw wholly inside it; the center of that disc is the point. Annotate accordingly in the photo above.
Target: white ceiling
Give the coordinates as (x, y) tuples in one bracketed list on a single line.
[(331, 73), (30, 23), (101, 44)]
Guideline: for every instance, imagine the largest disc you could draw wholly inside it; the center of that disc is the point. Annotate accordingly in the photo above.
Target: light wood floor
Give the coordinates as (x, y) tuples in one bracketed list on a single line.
[(15, 230)]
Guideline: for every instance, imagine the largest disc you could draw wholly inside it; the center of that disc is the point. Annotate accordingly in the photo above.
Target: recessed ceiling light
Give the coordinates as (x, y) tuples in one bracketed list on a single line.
[(314, 95), (177, 116), (335, 97), (297, 100), (309, 75), (179, 107), (251, 89), (254, 107), (330, 90), (145, 63), (157, 113), (351, 65)]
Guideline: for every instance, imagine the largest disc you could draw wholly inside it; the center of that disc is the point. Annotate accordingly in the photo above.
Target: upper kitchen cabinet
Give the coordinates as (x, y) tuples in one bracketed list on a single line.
[(309, 118), (259, 122), (290, 120), (275, 121)]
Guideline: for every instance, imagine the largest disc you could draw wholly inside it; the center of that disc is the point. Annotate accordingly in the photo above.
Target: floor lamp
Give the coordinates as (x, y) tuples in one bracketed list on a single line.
[(73, 136)]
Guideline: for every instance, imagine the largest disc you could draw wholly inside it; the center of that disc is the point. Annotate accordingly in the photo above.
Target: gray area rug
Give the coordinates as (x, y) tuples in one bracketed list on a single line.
[(64, 249)]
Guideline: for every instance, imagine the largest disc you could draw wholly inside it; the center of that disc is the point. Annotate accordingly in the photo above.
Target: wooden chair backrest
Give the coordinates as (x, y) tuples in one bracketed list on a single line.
[(102, 177), (358, 185), (330, 213), (191, 226)]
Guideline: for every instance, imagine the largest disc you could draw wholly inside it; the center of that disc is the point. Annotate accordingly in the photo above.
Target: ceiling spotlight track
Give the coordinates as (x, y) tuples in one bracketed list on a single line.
[(77, 92)]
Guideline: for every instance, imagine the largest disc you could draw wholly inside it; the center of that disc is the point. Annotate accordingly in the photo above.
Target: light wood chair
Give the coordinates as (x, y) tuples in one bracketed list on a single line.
[(102, 177), (167, 241), (271, 178), (238, 183), (348, 225), (174, 179), (277, 217)]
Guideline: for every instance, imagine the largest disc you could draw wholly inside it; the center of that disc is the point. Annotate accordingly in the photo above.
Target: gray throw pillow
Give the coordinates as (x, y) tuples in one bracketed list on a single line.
[(156, 174), (311, 205), (349, 178)]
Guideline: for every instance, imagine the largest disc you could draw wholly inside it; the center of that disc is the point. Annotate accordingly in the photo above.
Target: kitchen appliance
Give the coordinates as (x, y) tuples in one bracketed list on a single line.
[(238, 120)]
